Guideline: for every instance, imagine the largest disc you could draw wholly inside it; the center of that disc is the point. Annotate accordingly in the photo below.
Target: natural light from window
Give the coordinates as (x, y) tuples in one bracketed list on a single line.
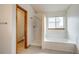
[(55, 22)]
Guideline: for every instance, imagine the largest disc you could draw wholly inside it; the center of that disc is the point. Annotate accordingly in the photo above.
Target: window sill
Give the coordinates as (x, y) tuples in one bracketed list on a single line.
[(55, 28)]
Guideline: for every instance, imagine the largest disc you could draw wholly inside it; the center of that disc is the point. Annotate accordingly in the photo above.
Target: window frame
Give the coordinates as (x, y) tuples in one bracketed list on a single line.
[(55, 24)]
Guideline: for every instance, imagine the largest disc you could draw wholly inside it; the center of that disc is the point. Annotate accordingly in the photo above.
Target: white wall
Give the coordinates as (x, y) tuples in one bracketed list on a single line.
[(7, 31), (73, 23), (72, 16)]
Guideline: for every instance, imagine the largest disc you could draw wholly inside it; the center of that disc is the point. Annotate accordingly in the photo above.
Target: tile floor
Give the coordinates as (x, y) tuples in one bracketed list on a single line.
[(38, 50)]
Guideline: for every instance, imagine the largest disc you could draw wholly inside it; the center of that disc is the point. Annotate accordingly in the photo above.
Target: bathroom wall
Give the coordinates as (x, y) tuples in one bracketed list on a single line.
[(7, 31), (73, 24)]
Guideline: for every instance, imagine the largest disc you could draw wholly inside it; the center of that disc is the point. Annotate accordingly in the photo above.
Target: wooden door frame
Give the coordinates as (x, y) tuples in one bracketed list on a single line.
[(25, 26)]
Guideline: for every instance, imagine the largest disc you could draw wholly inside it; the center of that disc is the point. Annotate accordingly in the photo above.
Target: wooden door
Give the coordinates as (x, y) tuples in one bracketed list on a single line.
[(21, 26)]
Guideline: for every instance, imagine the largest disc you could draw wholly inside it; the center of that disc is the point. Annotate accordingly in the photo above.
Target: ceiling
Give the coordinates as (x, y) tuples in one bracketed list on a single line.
[(49, 7)]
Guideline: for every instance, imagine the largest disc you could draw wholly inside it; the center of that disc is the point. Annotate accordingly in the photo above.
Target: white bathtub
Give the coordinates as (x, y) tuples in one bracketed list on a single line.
[(59, 45)]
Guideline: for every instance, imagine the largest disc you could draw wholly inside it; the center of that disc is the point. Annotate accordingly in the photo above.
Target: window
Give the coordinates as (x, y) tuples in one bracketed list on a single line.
[(55, 23)]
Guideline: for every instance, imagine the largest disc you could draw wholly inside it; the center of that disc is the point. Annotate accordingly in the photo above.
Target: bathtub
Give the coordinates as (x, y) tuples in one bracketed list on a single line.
[(59, 45)]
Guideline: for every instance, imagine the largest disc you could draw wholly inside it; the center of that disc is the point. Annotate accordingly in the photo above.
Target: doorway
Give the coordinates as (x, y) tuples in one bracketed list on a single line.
[(21, 28)]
